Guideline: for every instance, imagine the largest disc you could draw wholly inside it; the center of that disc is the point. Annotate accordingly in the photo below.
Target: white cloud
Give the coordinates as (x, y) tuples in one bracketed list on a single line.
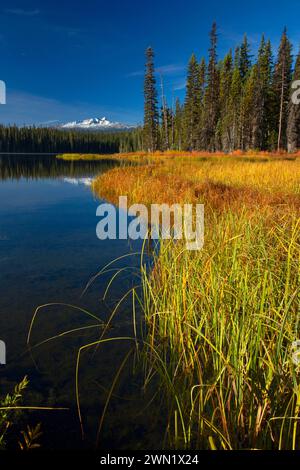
[(171, 69), (179, 85), (168, 69)]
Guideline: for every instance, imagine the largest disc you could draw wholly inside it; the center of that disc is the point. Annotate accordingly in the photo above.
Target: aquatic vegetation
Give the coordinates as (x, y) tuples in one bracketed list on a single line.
[(8, 409), (221, 325), (11, 408), (221, 321), (221, 333), (216, 179)]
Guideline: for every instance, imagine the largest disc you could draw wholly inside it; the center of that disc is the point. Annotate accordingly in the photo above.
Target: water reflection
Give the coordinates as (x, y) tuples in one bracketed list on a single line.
[(76, 181), (48, 166), (48, 252)]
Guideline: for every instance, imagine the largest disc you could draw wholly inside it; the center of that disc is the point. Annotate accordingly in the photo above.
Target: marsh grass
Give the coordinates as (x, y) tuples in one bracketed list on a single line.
[(187, 178), (221, 324), (221, 321)]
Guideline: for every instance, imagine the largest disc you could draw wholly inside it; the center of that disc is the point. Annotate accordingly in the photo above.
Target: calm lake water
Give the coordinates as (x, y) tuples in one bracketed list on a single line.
[(48, 252)]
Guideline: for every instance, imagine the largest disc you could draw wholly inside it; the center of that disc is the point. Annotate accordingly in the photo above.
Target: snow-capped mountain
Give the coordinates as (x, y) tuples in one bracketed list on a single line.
[(95, 124)]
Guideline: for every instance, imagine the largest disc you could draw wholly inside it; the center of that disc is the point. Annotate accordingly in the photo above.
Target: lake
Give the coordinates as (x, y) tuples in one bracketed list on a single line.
[(48, 253)]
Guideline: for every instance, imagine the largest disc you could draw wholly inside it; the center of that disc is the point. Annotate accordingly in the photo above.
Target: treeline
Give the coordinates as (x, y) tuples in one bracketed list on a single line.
[(48, 140), (239, 102)]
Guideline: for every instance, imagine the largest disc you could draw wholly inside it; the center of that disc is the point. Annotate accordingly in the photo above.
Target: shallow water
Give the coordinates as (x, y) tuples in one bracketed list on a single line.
[(48, 252)]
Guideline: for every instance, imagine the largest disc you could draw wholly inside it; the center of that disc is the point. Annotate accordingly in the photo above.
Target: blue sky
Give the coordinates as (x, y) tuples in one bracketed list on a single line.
[(70, 60)]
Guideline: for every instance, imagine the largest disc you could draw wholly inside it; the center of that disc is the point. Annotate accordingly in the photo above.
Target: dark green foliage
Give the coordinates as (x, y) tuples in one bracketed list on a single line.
[(244, 58), (192, 105), (151, 118), (211, 96), (293, 125), (236, 103), (281, 89), (262, 118), (240, 102), (249, 110), (178, 125), (45, 140), (225, 123), (167, 129)]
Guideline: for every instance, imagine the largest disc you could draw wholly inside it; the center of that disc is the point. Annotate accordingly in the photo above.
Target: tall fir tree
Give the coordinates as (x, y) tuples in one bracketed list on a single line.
[(234, 106), (225, 87), (165, 137), (211, 98), (281, 88), (244, 58), (192, 104), (293, 125), (262, 102), (249, 110), (202, 83), (151, 116), (178, 125), (245, 70)]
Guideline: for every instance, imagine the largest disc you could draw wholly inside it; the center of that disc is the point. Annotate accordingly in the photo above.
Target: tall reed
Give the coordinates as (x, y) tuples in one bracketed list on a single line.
[(221, 322)]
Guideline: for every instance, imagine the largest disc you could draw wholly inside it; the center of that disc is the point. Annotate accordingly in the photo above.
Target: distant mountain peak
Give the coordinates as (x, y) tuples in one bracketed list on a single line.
[(95, 123)]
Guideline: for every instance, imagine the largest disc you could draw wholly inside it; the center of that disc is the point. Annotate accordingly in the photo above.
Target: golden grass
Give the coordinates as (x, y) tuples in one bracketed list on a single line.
[(220, 181), (221, 321)]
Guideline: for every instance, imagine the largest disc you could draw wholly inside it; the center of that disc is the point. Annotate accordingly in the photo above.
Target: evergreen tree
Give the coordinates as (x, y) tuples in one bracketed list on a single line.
[(167, 137), (248, 109), (225, 87), (202, 82), (281, 88), (50, 140), (165, 112), (211, 98), (151, 118), (234, 109), (262, 102), (245, 70), (244, 58), (293, 125), (236, 59), (192, 104), (178, 125)]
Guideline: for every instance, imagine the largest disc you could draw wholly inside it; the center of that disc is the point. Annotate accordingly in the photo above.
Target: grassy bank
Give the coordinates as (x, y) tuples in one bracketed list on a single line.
[(221, 321), (83, 156), (96, 156)]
